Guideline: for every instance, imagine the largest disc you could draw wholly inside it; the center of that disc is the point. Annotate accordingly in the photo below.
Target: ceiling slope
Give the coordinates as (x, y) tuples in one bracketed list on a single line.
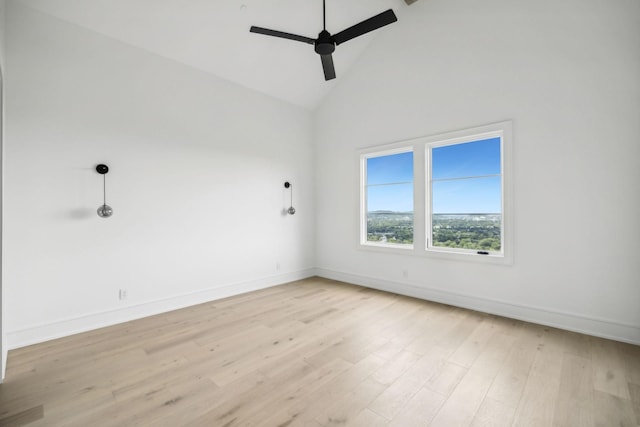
[(213, 36)]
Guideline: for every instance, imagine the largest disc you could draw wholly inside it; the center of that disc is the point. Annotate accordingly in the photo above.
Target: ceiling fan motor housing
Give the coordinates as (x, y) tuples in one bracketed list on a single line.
[(325, 45)]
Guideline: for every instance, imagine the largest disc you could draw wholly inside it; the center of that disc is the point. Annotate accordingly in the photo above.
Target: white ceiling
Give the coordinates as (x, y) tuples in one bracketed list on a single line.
[(213, 36)]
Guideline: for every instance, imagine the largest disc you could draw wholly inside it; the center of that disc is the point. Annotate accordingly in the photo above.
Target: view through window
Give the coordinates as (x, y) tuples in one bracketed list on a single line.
[(443, 195), (389, 198), (466, 195)]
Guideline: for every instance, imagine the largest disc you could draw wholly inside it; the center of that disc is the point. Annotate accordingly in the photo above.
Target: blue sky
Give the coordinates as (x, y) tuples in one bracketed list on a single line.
[(459, 183), (386, 169), (398, 169)]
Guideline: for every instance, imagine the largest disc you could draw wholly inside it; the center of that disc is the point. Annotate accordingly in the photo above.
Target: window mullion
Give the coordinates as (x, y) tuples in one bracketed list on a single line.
[(418, 199), (427, 202)]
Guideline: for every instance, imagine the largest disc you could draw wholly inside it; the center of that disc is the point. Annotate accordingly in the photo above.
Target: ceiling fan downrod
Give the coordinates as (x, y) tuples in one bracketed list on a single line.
[(324, 16)]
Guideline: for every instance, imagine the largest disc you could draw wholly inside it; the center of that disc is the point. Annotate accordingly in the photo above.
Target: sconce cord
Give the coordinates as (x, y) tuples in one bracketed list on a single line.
[(104, 189)]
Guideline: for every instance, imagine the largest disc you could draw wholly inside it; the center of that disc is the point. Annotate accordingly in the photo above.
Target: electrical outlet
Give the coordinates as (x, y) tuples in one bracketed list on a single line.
[(122, 295), (405, 273), (277, 266)]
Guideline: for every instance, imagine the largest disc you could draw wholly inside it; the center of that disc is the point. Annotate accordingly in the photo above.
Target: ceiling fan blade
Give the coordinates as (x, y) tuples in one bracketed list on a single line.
[(327, 67), (282, 35), (385, 18)]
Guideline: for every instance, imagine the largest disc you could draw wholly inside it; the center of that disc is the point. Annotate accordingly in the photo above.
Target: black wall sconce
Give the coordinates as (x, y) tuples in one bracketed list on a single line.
[(104, 211), (291, 209)]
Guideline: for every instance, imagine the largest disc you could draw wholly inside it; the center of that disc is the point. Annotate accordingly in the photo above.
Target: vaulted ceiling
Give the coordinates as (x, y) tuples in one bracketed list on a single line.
[(213, 36)]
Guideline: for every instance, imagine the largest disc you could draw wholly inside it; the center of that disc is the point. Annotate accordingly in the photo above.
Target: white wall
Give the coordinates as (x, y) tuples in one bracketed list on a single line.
[(197, 166), (196, 183), (566, 73)]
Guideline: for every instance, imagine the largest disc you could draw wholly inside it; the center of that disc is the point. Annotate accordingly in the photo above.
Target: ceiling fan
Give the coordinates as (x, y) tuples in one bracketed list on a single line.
[(326, 43)]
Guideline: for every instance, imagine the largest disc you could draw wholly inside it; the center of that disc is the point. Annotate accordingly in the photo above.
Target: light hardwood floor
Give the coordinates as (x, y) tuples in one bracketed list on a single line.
[(323, 353)]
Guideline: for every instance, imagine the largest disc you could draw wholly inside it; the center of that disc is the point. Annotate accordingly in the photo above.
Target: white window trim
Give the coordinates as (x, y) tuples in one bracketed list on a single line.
[(421, 197)]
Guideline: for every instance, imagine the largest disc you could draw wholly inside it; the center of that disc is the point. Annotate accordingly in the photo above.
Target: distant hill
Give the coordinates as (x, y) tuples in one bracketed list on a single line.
[(388, 213)]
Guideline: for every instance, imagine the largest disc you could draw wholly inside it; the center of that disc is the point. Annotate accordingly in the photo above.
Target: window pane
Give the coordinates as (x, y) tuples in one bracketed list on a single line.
[(392, 198), (467, 213), (467, 196), (476, 158), (391, 168), (390, 213), (479, 232)]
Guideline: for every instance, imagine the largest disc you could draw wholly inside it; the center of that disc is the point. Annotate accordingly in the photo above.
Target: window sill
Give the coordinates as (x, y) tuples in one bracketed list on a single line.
[(497, 259)]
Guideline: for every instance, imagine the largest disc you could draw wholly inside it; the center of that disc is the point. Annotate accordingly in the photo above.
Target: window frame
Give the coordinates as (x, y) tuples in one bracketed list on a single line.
[(387, 150), (422, 194), (429, 146)]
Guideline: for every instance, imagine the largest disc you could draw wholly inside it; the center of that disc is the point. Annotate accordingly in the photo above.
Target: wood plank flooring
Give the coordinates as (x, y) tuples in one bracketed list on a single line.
[(322, 353)]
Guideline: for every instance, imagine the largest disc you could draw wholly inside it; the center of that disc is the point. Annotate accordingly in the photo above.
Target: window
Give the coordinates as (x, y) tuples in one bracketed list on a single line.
[(466, 195), (452, 202), (388, 199)]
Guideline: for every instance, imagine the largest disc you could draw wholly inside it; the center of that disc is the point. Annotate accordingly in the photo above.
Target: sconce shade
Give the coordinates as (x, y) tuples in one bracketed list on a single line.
[(105, 211)]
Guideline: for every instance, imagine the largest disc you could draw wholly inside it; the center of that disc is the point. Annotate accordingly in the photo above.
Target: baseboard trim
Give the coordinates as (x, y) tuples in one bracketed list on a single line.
[(603, 328), (88, 322)]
